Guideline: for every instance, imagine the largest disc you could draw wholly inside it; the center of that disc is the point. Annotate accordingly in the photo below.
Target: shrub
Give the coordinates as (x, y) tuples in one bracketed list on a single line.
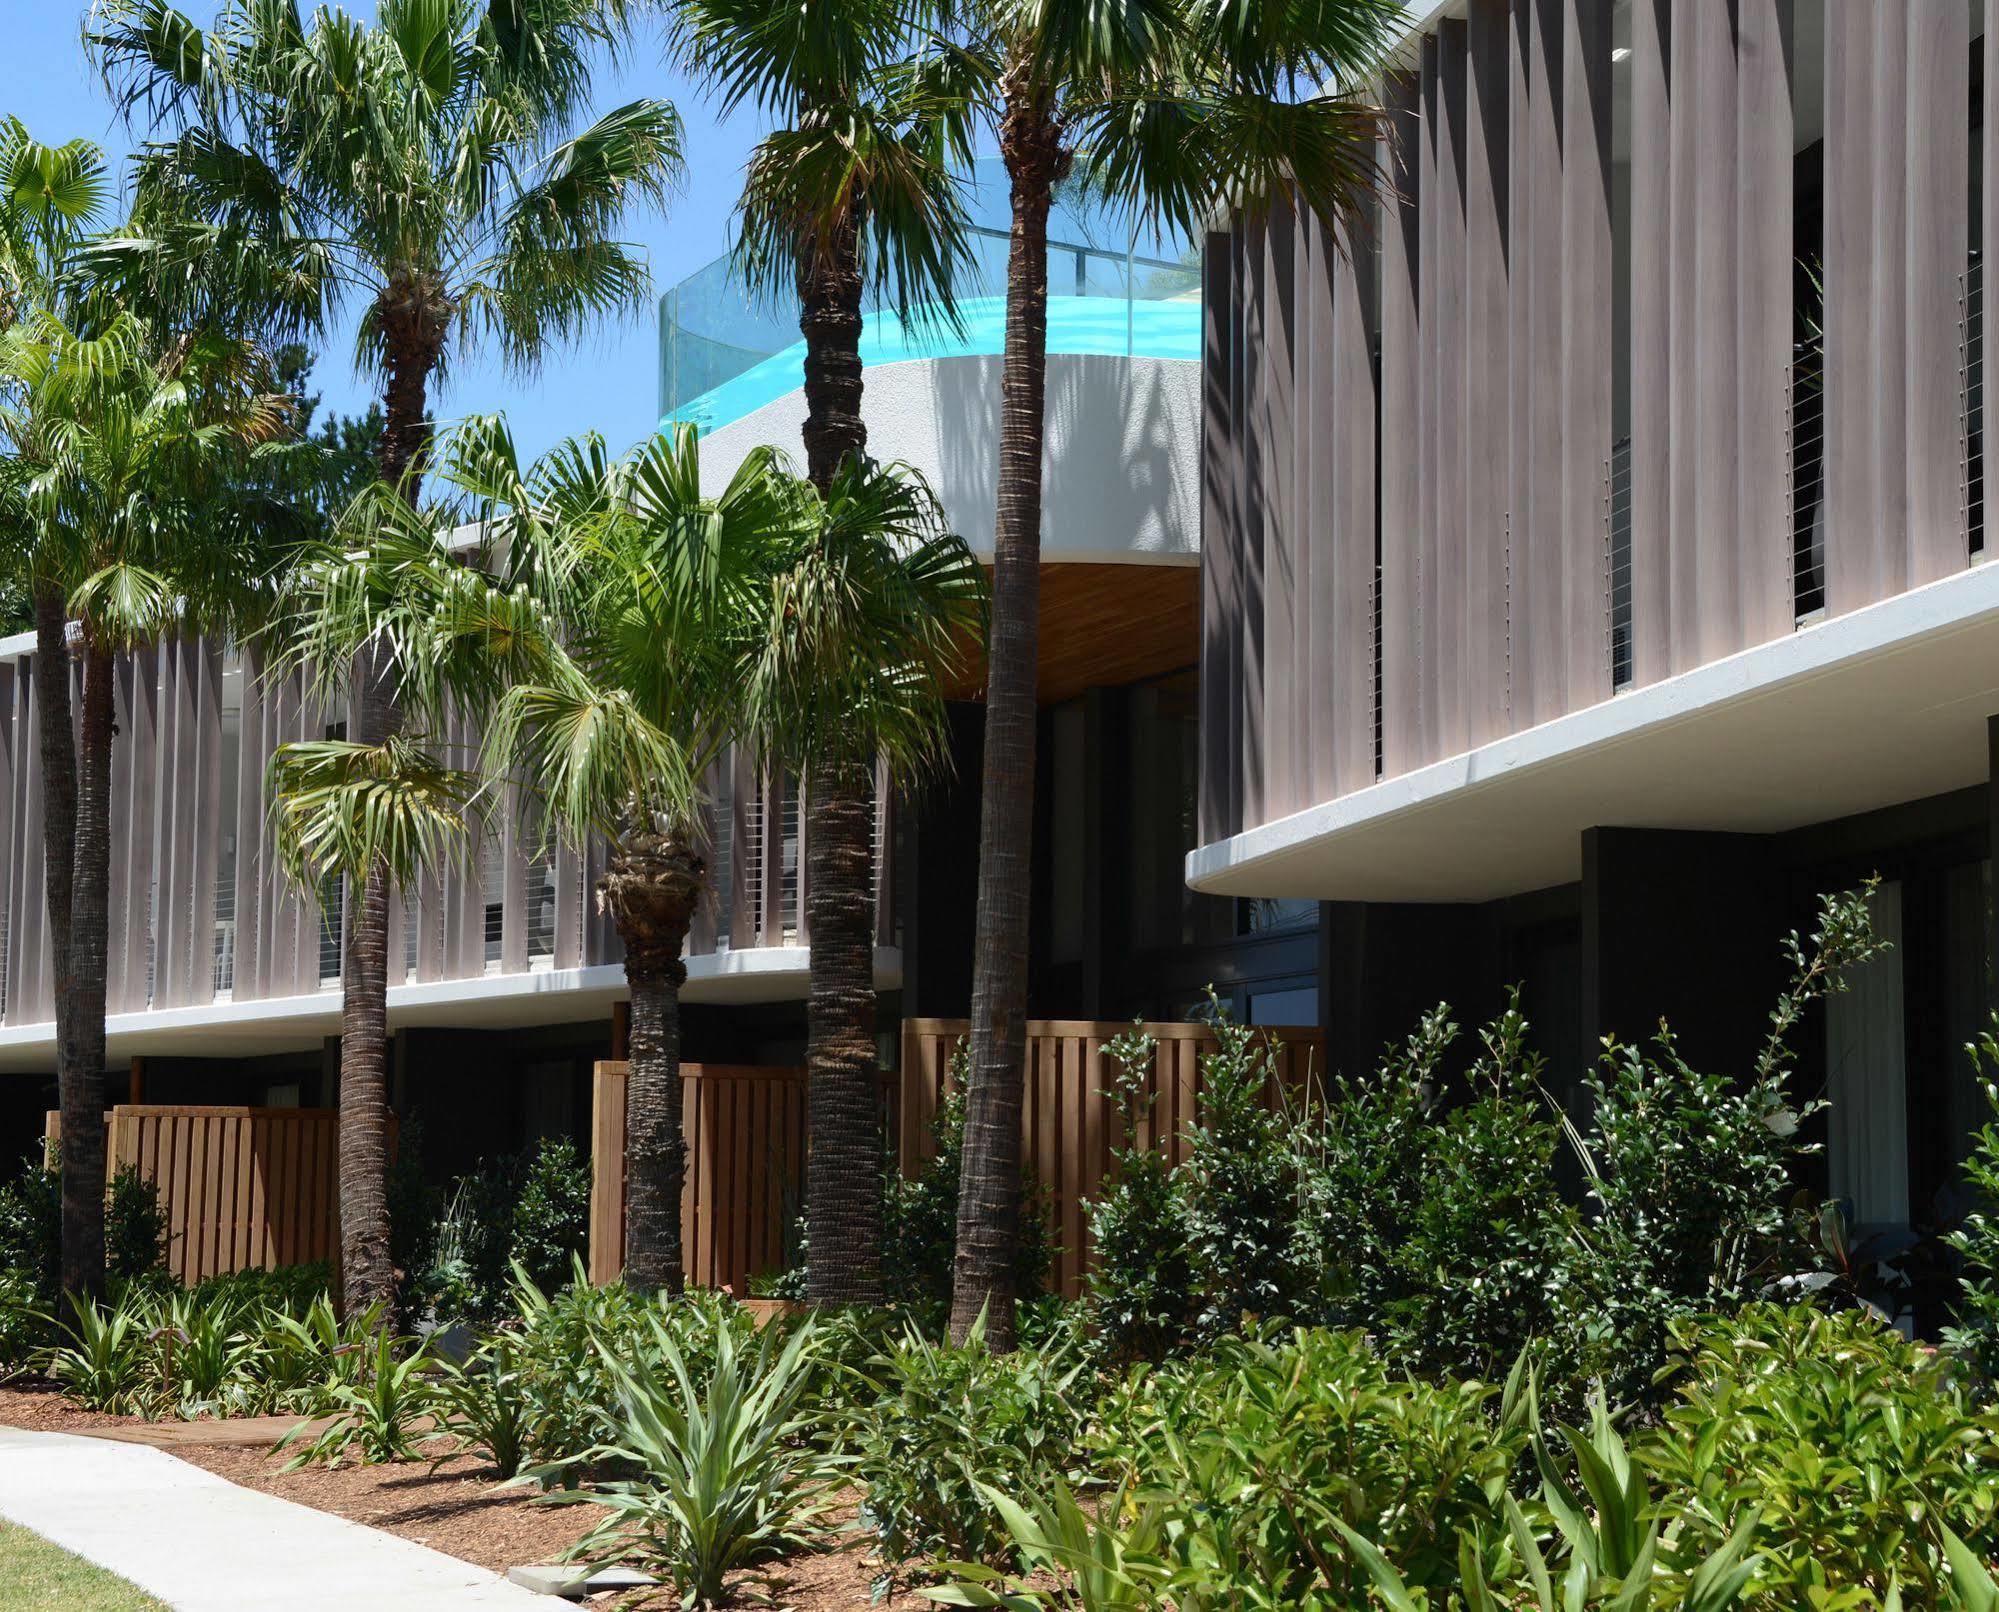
[(289, 1289), (382, 1416), (135, 1227), (1975, 1333), (551, 1215), (1140, 1287), (31, 1226), (1859, 1448), (530, 1209), (920, 1215), (1689, 1172), (948, 1420), (1487, 1263), (1263, 1452), (725, 1480), (26, 1329)]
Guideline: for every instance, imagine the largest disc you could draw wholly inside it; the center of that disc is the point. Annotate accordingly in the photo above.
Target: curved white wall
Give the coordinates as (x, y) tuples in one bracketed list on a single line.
[(1122, 465)]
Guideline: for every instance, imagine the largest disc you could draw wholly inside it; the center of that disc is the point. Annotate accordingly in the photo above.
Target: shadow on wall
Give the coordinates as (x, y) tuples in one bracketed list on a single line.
[(1120, 466)]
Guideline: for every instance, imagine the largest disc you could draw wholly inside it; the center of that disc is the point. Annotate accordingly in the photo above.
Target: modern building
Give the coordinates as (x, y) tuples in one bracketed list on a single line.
[(1593, 551), (225, 980)]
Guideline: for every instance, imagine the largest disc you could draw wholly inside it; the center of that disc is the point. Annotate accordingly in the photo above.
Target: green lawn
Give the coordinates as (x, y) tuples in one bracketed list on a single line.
[(35, 1575)]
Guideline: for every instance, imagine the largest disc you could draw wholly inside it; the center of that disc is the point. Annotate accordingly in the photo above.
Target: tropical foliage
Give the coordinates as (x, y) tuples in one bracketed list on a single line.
[(450, 200)]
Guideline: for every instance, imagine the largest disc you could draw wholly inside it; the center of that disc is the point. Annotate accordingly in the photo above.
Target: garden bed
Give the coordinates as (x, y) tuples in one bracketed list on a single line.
[(457, 1507), (460, 1510)]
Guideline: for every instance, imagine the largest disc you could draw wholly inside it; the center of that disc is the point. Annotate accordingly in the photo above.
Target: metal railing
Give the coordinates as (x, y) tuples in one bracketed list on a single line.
[(1971, 398), (1617, 566)]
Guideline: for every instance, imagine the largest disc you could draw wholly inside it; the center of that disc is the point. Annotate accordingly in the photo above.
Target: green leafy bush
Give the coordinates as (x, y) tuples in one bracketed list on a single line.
[(1690, 1173), (1140, 1287), (1859, 1448), (1975, 1333), (1261, 1453), (290, 1289), (1488, 1262), (135, 1227), (27, 1331), (725, 1480), (530, 1209), (551, 1215), (948, 1419), (920, 1216)]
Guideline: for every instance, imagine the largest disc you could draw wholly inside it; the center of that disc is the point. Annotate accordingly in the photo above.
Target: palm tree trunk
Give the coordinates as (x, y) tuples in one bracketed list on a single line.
[(650, 890), (79, 1081), (989, 1187), (829, 318), (843, 1175), (843, 1172), (367, 1270)]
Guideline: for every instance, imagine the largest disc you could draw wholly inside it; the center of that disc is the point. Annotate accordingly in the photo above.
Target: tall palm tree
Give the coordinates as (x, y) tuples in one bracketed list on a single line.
[(650, 591), (52, 200), (1173, 110), (130, 474), (418, 165), (855, 189)]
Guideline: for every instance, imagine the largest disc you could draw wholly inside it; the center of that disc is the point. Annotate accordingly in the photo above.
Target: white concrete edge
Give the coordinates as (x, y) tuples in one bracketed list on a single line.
[(782, 966), (1959, 603)]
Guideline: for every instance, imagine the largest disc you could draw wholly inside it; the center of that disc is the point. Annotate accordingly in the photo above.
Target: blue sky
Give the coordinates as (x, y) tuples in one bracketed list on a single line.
[(609, 382)]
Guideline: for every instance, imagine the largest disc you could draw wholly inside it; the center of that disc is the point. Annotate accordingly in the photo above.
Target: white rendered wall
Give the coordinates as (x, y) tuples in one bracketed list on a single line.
[(1122, 465)]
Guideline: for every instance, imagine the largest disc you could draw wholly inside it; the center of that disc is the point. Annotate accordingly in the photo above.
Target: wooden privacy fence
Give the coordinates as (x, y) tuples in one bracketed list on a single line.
[(745, 1130), (240, 1187), (1068, 1125)]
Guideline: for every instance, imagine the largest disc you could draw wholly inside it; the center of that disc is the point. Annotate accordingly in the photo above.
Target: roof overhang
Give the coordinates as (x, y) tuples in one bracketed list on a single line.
[(1870, 709), (485, 1002)]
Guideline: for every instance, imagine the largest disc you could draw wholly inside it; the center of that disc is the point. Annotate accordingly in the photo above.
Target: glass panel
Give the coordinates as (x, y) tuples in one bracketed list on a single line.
[(1113, 289)]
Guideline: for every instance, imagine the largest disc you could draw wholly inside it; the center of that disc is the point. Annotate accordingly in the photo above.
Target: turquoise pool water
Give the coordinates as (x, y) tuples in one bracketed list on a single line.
[(1109, 326)]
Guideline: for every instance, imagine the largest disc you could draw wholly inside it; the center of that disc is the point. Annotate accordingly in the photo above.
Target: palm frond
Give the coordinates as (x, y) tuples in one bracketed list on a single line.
[(341, 809)]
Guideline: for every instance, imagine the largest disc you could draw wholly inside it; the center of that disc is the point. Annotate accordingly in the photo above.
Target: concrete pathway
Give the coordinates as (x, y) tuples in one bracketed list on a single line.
[(203, 1544)]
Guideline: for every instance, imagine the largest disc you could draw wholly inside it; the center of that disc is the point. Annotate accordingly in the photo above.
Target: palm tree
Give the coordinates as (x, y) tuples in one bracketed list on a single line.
[(649, 592), (810, 626), (868, 621), (130, 477), (1173, 110), (418, 166), (856, 189), (51, 201)]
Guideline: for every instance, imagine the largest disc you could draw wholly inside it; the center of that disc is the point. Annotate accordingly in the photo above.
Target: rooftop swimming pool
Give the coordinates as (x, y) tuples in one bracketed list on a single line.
[(1088, 325)]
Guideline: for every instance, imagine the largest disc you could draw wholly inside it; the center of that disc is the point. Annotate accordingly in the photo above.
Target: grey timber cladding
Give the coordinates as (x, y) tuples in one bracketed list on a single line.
[(1415, 434), (179, 809)]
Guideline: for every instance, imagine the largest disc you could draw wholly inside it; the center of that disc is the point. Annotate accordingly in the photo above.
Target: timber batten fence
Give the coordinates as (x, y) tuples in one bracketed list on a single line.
[(240, 1187)]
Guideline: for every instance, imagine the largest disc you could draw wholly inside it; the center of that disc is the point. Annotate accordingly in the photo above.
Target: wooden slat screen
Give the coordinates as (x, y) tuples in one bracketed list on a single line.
[(745, 1129), (241, 1187), (1068, 1126)]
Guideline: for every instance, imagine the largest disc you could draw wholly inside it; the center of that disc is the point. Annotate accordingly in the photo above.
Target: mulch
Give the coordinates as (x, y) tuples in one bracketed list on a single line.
[(458, 1508)]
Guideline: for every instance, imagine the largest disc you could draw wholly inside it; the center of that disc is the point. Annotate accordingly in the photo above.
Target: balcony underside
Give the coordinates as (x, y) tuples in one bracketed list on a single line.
[(1866, 710), (489, 1002)]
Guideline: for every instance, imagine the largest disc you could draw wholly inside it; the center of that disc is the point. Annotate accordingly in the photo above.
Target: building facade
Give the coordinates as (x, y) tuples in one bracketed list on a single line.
[(225, 978), (1593, 548)]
